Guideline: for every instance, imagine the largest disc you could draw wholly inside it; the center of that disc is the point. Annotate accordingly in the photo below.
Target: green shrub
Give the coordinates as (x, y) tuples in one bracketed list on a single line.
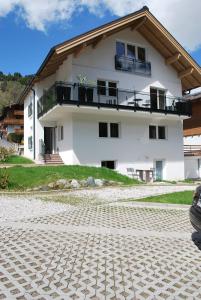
[(5, 153), (15, 138), (4, 179)]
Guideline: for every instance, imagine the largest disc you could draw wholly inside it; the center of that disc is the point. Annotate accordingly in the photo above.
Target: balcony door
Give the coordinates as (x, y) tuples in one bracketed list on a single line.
[(159, 170), (158, 98)]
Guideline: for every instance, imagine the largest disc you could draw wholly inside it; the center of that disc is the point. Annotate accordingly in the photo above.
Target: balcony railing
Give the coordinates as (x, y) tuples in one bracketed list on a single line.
[(132, 65), (13, 121), (192, 150), (100, 96)]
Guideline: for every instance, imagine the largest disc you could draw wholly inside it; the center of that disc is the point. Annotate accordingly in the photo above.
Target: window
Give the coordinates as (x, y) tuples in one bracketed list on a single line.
[(130, 50), (109, 130), (60, 133), (103, 130), (110, 164), (120, 49), (157, 132), (30, 110), (112, 89), (114, 130), (161, 132), (30, 143), (141, 54), (107, 88), (152, 132), (158, 98), (101, 87)]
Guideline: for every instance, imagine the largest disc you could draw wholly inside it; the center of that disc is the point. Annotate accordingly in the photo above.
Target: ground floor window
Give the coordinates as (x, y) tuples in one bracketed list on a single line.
[(60, 133), (109, 130), (110, 164), (30, 143), (157, 132)]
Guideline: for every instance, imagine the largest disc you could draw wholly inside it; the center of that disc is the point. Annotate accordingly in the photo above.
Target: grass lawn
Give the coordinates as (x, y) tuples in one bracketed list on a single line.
[(173, 198), (27, 177), (16, 159)]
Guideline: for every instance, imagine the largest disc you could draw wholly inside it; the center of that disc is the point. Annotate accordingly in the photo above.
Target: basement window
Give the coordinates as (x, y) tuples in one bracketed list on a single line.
[(110, 164)]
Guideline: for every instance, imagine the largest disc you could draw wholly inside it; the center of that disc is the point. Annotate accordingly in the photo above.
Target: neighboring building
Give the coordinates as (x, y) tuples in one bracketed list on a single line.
[(12, 119), (192, 139), (113, 97)]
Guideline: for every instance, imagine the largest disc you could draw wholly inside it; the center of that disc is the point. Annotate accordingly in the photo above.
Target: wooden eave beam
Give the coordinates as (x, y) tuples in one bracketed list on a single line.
[(170, 60), (185, 73), (97, 32), (138, 25), (56, 62), (151, 37), (79, 50), (95, 43), (57, 57)]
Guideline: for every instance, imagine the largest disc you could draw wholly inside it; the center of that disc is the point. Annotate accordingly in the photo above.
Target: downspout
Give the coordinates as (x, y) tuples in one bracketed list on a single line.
[(34, 123)]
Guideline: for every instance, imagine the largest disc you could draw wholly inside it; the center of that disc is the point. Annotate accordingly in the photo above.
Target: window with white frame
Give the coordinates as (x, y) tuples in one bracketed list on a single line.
[(109, 130), (107, 88), (30, 109), (158, 98), (131, 50), (30, 142), (60, 133), (157, 132)]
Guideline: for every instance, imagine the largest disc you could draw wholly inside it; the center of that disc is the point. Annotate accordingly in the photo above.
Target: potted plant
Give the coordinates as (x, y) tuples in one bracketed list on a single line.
[(85, 89)]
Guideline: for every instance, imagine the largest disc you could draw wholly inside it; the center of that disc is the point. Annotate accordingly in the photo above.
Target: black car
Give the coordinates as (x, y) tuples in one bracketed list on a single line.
[(195, 210)]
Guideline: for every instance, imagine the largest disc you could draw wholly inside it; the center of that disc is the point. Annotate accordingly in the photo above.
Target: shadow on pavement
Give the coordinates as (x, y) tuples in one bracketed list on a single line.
[(196, 238)]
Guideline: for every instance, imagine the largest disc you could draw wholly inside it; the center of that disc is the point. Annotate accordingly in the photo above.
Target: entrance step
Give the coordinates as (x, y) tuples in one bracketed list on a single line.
[(53, 159)]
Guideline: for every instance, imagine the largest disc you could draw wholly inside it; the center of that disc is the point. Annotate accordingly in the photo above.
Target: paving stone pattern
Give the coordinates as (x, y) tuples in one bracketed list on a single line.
[(104, 252)]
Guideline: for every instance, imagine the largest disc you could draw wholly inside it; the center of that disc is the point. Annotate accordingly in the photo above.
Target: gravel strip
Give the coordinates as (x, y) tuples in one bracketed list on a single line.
[(20, 207), (123, 193)]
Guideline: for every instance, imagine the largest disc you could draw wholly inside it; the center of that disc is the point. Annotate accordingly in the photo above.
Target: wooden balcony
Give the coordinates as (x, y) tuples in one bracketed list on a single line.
[(18, 113), (192, 150), (13, 121)]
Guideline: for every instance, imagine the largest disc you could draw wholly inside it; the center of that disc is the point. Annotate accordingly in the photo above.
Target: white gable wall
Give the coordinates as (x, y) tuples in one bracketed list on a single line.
[(100, 63)]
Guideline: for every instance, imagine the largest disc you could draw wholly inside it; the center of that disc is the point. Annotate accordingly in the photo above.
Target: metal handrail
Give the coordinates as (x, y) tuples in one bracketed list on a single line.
[(101, 96)]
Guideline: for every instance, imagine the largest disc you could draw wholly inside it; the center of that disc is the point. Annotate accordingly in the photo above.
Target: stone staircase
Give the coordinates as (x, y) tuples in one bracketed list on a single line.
[(53, 159)]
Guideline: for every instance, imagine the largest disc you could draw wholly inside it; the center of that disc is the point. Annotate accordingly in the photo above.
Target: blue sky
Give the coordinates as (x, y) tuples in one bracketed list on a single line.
[(24, 45)]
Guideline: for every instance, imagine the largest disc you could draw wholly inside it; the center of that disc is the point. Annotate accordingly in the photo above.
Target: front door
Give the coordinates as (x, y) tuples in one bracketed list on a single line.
[(49, 140), (159, 170)]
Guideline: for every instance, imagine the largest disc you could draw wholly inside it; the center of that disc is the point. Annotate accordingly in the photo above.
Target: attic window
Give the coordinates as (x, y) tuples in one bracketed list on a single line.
[(130, 50)]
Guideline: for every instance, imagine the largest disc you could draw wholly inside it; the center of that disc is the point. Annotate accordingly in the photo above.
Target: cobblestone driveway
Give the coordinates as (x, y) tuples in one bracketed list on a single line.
[(100, 252)]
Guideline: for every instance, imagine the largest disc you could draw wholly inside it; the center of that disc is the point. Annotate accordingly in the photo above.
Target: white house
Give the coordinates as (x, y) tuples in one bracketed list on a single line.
[(192, 139), (113, 97)]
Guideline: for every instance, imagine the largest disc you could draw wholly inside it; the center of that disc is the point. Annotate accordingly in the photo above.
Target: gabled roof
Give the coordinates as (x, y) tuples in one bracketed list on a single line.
[(148, 26)]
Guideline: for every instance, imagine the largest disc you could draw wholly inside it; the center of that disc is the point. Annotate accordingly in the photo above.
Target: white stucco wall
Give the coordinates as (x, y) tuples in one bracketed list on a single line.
[(192, 167), (133, 148), (99, 64)]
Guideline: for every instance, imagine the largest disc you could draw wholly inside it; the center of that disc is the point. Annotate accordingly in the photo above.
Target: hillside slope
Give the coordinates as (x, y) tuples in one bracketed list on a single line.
[(11, 87)]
